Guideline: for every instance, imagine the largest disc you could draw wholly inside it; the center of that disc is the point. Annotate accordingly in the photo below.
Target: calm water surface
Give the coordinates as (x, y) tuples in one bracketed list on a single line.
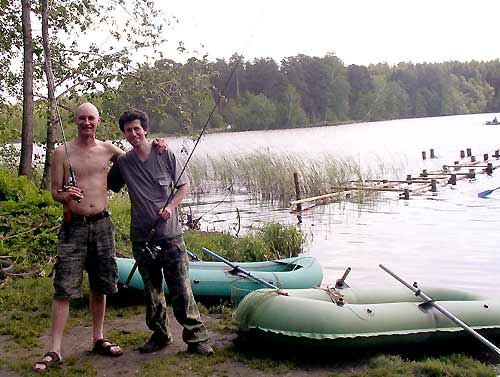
[(449, 239)]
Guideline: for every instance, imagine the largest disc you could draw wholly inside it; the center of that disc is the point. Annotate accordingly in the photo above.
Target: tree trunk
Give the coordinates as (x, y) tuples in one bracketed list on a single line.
[(27, 128), (52, 118)]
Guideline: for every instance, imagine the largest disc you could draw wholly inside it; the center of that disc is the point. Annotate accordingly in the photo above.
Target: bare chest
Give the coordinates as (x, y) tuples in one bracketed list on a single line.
[(90, 164)]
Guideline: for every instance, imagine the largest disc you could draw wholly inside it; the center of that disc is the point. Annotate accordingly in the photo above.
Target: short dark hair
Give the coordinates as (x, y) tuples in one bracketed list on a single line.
[(130, 115)]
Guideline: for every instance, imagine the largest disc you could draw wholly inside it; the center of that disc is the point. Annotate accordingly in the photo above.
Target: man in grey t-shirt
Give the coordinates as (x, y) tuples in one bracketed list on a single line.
[(156, 235)]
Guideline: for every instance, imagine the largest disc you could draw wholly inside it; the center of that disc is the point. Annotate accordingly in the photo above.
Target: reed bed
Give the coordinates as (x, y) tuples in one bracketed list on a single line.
[(269, 176)]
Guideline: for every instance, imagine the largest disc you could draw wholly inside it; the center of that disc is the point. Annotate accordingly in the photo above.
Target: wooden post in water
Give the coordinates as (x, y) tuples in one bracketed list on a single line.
[(489, 169), (472, 158), (462, 154), (406, 194), (297, 195), (453, 179), (432, 153), (424, 173), (456, 167), (424, 155), (408, 178), (469, 152), (433, 185), (497, 153), (472, 174), (485, 157)]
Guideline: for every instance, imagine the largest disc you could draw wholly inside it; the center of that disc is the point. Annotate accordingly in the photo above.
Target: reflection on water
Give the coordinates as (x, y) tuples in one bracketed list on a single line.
[(450, 239)]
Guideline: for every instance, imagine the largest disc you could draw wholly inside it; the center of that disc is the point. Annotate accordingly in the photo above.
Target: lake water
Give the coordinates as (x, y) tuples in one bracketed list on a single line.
[(450, 238)]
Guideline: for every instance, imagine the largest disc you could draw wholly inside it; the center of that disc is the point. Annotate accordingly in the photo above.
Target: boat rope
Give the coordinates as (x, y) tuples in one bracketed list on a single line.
[(335, 296)]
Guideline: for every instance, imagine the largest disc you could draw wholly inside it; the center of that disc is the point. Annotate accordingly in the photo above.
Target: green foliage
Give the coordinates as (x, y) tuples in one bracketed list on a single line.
[(272, 241), (254, 112), (10, 123), (119, 205), (30, 219), (282, 240), (304, 91)]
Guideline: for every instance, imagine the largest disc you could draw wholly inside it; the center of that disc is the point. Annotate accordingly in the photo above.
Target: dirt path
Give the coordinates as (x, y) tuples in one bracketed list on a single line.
[(77, 346)]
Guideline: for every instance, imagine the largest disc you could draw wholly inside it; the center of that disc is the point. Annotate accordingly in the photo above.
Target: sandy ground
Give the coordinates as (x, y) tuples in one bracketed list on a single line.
[(77, 342)]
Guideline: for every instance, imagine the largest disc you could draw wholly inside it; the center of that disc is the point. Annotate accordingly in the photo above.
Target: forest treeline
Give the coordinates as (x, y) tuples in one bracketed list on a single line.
[(299, 91)]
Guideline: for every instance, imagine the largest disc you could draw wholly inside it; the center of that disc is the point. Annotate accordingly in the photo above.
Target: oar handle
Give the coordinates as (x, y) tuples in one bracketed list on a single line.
[(129, 277), (237, 268), (193, 256), (419, 293)]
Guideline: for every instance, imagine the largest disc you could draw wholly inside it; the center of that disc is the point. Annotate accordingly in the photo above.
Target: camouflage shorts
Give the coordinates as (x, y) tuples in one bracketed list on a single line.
[(86, 246)]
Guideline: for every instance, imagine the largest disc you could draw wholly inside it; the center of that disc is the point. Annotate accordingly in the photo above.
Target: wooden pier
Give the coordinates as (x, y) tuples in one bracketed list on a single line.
[(427, 181)]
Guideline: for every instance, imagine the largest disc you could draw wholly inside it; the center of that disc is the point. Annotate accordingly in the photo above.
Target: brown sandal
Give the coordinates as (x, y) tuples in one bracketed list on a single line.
[(105, 349), (55, 360)]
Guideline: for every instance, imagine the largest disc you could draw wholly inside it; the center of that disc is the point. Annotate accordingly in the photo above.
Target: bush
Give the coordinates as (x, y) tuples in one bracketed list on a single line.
[(30, 219), (272, 241)]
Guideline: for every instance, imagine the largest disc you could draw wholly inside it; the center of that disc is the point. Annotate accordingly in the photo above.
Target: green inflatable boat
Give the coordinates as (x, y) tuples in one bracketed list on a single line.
[(217, 279), (363, 317)]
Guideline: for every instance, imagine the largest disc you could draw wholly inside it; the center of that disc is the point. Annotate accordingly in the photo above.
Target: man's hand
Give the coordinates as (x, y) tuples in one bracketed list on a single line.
[(71, 193), (160, 145), (165, 213)]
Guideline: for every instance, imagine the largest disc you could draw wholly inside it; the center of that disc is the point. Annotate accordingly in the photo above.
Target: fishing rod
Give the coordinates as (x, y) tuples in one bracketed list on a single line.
[(159, 219), (72, 176), (194, 222)]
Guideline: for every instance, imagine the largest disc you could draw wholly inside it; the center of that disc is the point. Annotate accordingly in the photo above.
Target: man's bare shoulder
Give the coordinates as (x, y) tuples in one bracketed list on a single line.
[(111, 149), (58, 151)]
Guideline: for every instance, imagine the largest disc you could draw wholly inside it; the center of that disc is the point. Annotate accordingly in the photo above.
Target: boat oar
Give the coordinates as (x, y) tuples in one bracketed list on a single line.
[(428, 300), (485, 193), (193, 256), (242, 270)]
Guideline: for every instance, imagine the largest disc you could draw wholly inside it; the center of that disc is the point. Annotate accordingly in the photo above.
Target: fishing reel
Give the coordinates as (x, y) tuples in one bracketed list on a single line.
[(151, 251)]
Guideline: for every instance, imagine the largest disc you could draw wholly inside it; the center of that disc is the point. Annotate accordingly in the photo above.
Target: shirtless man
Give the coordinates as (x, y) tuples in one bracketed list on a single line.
[(86, 238)]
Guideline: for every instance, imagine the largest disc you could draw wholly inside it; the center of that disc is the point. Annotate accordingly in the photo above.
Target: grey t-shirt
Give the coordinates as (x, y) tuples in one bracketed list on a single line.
[(149, 185)]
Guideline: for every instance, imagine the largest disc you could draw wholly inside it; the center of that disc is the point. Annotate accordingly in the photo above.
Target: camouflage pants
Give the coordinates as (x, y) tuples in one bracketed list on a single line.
[(173, 264)]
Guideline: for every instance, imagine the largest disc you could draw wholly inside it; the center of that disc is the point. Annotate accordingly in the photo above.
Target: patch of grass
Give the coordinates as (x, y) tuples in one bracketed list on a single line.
[(184, 364), (72, 367), (127, 338), (456, 365), (224, 321), (26, 307), (26, 310), (265, 364)]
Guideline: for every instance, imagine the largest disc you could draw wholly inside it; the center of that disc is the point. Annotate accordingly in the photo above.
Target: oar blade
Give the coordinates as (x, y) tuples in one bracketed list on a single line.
[(485, 193)]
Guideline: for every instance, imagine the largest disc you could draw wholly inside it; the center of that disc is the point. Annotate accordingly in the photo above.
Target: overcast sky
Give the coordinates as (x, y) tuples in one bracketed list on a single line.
[(358, 31)]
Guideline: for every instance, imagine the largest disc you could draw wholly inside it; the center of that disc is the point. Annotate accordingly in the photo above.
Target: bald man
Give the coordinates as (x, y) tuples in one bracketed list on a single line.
[(86, 238)]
